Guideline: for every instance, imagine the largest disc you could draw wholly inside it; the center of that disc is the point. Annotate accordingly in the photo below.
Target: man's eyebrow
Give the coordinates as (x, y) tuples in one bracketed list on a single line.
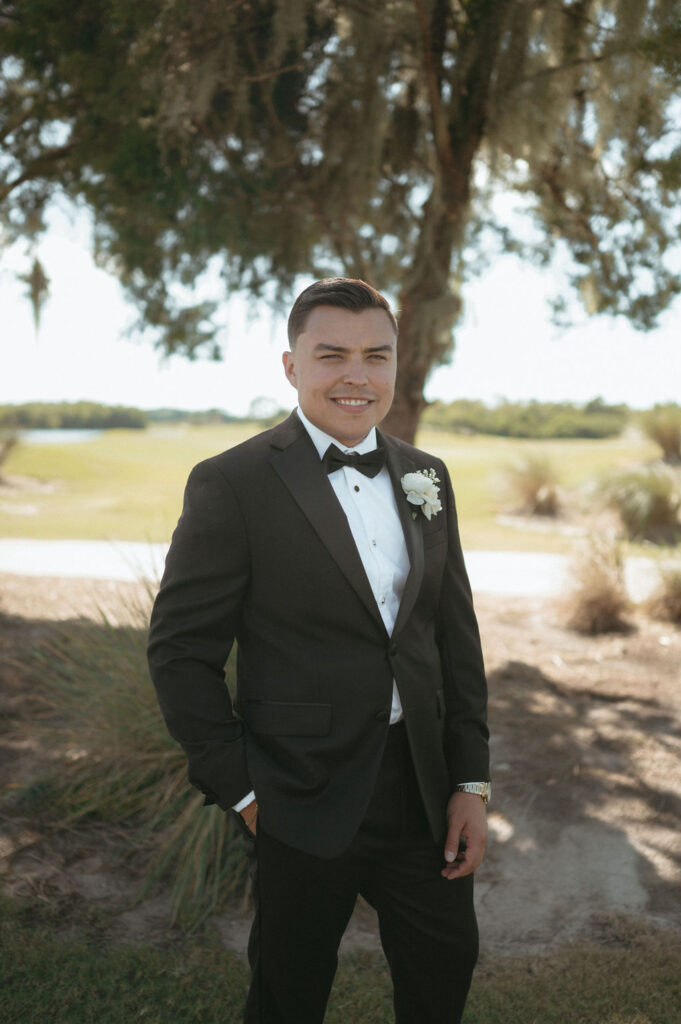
[(325, 346)]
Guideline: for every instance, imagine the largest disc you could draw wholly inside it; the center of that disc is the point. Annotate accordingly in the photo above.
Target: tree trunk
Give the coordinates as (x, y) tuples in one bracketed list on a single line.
[(405, 413), (413, 367), (426, 322), (429, 303)]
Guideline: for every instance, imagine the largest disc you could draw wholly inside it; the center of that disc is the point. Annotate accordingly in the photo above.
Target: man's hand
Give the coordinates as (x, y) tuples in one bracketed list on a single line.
[(250, 815), (467, 820)]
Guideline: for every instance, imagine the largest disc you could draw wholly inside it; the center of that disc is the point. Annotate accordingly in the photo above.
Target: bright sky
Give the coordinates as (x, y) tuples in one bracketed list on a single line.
[(506, 345)]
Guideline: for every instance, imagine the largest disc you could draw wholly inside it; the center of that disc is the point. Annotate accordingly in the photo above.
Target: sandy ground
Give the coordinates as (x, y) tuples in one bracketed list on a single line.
[(586, 810)]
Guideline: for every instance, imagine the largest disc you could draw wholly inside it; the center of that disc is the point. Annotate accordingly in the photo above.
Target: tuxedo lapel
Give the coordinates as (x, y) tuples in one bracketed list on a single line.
[(398, 464), (295, 459)]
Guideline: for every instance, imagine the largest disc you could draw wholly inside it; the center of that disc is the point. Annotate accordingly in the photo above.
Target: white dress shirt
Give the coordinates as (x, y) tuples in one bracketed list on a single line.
[(371, 510)]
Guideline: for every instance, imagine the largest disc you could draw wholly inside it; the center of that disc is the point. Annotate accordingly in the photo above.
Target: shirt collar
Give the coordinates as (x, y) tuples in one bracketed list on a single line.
[(321, 441)]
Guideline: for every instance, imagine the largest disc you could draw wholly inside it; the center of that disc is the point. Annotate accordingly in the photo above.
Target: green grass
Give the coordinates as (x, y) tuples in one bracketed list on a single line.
[(127, 485), (476, 464), (51, 978), (123, 485)]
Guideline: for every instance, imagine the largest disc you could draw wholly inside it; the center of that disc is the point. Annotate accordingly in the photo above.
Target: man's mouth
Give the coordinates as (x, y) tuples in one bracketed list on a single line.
[(352, 403)]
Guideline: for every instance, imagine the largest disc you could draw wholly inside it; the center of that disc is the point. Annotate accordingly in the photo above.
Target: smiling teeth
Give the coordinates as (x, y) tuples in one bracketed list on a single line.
[(353, 401)]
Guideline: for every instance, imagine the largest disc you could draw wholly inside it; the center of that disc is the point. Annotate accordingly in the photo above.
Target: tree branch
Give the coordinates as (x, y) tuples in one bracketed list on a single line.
[(577, 62), (36, 168), (440, 133), (269, 105), (265, 75), (547, 175), (16, 122)]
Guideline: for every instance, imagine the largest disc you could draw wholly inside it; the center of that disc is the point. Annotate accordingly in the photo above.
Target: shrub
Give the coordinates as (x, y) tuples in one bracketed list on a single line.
[(598, 599), (648, 503), (532, 484), (665, 603), (662, 424), (115, 762)]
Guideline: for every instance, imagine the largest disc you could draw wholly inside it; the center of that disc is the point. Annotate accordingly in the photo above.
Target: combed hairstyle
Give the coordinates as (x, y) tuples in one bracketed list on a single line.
[(345, 292)]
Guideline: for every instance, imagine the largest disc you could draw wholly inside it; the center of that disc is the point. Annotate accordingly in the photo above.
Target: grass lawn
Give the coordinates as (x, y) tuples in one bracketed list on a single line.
[(47, 978), (127, 484)]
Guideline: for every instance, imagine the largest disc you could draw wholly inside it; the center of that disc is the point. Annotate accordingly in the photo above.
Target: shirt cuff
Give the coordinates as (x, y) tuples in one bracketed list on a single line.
[(245, 802)]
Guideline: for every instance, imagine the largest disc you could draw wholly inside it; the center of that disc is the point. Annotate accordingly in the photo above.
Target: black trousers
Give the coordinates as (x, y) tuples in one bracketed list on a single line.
[(303, 904)]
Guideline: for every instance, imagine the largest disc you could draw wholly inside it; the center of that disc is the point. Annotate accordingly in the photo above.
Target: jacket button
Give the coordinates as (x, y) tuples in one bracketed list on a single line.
[(393, 651), (381, 716)]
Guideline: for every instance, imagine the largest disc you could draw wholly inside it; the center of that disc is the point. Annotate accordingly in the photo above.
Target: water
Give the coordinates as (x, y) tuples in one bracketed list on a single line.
[(58, 436)]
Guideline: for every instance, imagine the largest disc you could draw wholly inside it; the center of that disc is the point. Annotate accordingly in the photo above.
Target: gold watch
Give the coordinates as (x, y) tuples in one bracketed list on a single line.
[(483, 789)]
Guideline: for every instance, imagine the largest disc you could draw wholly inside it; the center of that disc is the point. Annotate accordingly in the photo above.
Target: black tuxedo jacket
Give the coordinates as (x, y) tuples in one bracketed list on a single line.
[(263, 554)]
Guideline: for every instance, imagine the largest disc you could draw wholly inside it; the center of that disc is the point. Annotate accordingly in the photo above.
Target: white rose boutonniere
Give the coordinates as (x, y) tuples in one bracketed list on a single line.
[(421, 489)]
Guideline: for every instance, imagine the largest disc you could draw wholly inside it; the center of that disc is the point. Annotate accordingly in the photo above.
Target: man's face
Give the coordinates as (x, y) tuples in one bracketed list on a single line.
[(343, 367)]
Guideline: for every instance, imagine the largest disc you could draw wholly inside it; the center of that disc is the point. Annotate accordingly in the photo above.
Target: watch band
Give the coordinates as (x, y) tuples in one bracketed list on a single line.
[(483, 789)]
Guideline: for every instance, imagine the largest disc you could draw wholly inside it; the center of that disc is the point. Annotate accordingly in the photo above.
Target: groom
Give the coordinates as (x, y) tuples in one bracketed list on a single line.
[(355, 749)]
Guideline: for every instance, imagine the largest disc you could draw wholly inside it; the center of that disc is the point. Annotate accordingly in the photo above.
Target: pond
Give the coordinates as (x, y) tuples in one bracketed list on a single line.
[(58, 436)]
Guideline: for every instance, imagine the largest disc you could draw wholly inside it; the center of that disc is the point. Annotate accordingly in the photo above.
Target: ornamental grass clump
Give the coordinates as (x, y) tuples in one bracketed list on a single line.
[(665, 603), (648, 503), (114, 762), (662, 424), (532, 483), (597, 601)]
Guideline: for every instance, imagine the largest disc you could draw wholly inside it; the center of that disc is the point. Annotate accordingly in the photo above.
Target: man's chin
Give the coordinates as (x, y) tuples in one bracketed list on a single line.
[(351, 430)]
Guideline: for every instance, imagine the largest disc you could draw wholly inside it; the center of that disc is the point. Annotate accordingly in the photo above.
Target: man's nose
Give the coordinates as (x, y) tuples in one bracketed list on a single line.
[(355, 373)]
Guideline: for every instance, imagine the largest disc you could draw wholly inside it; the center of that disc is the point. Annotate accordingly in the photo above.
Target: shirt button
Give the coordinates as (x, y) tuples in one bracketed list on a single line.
[(356, 487), (382, 600), (374, 543)]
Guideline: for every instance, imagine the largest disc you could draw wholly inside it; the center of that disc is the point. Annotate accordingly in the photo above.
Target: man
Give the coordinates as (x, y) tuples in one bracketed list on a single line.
[(356, 750)]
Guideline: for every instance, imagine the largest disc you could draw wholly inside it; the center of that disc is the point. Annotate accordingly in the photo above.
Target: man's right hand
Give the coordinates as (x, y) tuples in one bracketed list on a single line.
[(250, 815)]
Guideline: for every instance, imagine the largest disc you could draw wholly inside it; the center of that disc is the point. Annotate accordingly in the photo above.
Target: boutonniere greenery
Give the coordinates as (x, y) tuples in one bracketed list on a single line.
[(421, 489)]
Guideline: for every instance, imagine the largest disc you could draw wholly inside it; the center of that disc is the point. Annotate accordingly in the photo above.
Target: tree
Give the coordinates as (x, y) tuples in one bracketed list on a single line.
[(330, 136)]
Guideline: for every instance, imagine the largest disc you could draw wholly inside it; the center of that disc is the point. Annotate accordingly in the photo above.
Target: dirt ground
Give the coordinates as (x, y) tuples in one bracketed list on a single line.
[(586, 810)]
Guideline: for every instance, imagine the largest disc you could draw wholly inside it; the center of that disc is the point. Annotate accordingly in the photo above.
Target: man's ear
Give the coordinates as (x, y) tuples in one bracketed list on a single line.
[(290, 368)]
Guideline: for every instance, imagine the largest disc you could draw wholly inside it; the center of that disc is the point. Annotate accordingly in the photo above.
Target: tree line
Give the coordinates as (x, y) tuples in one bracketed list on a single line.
[(532, 419), (71, 416), (529, 419)]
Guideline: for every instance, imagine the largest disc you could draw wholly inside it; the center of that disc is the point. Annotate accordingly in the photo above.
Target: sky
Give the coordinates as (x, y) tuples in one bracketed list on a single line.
[(506, 345)]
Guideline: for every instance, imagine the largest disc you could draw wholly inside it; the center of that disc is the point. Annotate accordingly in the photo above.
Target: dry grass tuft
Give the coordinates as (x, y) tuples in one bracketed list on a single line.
[(8, 442), (665, 603), (532, 484), (662, 424), (598, 601), (648, 502)]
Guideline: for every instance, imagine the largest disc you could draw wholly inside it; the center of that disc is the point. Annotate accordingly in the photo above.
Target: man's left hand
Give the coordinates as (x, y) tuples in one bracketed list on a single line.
[(467, 820)]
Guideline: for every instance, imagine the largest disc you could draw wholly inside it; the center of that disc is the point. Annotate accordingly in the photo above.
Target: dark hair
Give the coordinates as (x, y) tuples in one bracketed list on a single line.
[(346, 292)]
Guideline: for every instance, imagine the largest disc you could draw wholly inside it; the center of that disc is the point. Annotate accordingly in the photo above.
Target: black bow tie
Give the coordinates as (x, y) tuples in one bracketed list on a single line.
[(370, 464)]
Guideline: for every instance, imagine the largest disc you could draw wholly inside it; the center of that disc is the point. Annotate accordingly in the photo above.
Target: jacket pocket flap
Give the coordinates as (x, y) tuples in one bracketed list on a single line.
[(278, 718)]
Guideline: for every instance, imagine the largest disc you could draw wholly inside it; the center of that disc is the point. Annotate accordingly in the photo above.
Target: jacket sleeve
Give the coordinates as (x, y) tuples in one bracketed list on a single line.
[(465, 685), (193, 625)]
